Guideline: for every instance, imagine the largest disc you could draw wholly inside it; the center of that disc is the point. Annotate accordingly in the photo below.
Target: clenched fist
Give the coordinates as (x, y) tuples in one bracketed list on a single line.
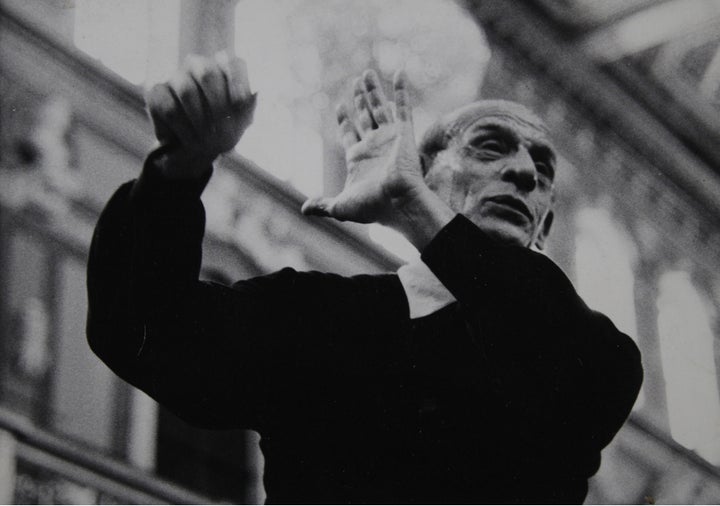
[(201, 112)]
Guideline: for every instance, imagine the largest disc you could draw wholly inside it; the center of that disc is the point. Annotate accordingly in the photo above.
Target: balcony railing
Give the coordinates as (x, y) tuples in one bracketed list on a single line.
[(47, 469)]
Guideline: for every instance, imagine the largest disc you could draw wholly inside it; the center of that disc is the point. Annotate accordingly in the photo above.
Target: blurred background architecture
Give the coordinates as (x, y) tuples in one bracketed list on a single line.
[(631, 89)]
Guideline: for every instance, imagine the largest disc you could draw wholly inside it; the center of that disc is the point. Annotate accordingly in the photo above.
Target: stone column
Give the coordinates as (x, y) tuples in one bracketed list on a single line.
[(206, 27)]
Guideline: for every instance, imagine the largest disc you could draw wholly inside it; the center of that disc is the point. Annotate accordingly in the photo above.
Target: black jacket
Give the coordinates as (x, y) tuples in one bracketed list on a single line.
[(506, 396)]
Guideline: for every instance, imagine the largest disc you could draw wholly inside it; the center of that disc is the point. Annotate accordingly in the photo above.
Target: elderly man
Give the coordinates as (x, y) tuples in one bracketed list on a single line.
[(475, 374)]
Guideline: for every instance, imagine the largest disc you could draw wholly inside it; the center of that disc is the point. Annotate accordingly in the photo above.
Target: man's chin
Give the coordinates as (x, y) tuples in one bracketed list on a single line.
[(505, 233)]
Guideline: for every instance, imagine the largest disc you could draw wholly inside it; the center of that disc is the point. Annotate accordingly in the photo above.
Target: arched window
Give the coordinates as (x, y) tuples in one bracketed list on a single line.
[(687, 349), (604, 258), (302, 56)]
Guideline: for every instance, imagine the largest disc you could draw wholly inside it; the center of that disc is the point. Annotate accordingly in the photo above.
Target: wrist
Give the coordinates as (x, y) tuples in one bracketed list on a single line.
[(175, 163), (419, 215)]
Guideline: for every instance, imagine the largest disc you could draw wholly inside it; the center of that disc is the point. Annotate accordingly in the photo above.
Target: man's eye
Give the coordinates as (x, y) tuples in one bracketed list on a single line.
[(492, 145)]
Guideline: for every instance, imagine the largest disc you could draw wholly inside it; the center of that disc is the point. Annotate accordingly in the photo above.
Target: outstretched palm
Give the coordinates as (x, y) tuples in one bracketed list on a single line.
[(381, 156)]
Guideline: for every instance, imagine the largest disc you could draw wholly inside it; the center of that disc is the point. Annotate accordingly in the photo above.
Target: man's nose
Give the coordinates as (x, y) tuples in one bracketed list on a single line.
[(519, 169)]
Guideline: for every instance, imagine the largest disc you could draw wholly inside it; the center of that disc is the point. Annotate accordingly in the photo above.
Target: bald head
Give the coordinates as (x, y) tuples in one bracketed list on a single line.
[(454, 124)]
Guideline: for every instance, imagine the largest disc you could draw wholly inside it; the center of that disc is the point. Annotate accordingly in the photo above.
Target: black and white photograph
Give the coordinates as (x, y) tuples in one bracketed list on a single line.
[(359, 252)]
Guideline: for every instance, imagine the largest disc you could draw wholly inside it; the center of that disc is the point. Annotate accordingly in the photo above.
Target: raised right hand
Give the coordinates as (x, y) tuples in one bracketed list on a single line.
[(201, 112), (382, 160), (385, 182)]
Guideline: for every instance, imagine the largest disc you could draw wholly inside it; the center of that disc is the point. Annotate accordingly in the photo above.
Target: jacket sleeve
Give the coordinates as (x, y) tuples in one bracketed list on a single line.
[(202, 349), (561, 374)]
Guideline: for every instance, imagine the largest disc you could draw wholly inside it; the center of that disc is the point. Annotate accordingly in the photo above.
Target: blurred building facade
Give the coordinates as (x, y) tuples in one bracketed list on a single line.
[(635, 115)]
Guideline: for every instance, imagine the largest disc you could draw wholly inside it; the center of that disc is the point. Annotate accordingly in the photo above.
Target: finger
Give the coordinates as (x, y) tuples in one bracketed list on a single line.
[(244, 114), (171, 123), (348, 133), (403, 111), (190, 103), (238, 83), (241, 101), (362, 113), (158, 102), (375, 98), (209, 79), (318, 206)]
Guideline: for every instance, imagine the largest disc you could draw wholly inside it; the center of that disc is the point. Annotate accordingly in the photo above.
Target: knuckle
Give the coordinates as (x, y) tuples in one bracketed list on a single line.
[(159, 100), (153, 96), (178, 82), (208, 74), (186, 94), (206, 79), (175, 80)]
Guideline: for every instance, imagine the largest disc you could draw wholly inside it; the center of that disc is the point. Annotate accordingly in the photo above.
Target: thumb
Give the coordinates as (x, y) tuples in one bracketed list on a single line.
[(318, 206), (244, 112)]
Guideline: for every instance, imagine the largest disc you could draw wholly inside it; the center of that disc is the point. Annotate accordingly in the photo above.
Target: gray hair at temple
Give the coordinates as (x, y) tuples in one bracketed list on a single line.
[(451, 126)]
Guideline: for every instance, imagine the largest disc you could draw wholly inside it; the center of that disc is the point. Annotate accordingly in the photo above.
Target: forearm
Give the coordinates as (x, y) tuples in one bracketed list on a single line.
[(168, 225), (150, 319), (145, 252)]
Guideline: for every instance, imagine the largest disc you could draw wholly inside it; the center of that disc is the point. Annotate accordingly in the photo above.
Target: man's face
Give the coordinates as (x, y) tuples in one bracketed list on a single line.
[(500, 173)]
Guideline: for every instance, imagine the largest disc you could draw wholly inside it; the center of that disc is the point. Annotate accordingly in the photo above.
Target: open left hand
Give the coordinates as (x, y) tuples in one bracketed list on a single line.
[(381, 155)]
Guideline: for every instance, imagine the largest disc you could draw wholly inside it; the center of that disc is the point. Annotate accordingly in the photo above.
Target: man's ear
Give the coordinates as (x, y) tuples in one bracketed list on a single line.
[(544, 230)]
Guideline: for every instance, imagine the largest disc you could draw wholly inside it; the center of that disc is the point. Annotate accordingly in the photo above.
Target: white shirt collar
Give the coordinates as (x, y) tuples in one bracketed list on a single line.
[(424, 291)]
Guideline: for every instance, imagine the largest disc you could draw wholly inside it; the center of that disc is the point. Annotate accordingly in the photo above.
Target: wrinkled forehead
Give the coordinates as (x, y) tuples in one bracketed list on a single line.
[(486, 113), (524, 130)]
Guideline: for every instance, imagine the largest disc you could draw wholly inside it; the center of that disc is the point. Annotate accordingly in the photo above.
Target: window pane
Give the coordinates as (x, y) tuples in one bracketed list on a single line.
[(603, 262), (688, 359)]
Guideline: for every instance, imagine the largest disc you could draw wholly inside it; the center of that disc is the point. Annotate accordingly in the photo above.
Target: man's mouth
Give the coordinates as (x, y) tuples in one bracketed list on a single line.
[(514, 204)]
